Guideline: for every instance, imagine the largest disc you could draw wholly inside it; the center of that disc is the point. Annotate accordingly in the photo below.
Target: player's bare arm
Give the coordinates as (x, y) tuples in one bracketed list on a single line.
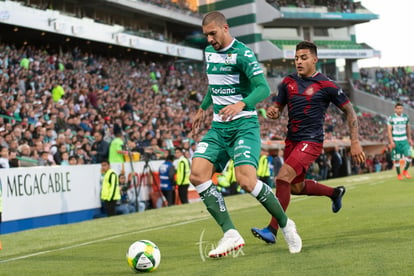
[(409, 135), (391, 141), (357, 153), (197, 121)]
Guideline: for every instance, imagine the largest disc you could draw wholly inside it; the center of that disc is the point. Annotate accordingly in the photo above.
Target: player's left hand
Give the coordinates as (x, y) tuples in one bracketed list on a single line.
[(357, 154), (232, 110)]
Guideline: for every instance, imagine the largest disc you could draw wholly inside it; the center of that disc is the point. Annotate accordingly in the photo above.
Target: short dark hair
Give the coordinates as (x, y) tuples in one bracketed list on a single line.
[(398, 104), (215, 16), (307, 45)]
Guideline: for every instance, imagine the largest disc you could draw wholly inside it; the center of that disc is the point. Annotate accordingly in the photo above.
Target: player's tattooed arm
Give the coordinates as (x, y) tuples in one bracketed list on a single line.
[(357, 152)]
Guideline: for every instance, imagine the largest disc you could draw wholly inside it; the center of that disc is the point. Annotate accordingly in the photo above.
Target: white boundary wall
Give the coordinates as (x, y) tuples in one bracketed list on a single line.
[(42, 191)]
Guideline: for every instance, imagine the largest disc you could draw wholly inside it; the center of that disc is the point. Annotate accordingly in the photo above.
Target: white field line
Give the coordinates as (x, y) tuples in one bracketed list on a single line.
[(101, 240)]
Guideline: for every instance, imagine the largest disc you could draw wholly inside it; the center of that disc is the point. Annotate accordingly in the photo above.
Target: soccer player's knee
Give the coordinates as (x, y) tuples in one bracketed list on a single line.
[(247, 186), (197, 179)]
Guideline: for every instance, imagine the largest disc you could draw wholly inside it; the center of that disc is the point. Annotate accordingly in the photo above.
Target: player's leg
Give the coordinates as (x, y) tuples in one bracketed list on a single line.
[(245, 175), (214, 201), (290, 180), (395, 156), (269, 233), (407, 159), (246, 155), (204, 163)]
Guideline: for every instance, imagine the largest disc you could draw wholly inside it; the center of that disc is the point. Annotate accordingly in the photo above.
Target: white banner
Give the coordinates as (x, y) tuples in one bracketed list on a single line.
[(40, 191)]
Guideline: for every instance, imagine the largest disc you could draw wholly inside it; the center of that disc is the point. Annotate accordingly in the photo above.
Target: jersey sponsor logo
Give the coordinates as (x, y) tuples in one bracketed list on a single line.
[(223, 90), (201, 147), (221, 58), (225, 69)]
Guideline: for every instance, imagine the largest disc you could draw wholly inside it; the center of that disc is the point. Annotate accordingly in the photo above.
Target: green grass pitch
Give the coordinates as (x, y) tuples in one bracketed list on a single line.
[(371, 235)]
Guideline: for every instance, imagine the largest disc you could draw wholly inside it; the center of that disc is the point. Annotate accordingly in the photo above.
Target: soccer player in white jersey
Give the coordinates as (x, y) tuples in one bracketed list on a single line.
[(236, 85), (399, 136)]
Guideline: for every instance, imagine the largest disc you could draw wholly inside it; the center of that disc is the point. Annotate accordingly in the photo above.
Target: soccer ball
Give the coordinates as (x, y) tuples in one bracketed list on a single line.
[(143, 256)]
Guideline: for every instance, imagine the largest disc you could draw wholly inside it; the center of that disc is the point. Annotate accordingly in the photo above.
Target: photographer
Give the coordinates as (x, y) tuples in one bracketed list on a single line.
[(124, 205)]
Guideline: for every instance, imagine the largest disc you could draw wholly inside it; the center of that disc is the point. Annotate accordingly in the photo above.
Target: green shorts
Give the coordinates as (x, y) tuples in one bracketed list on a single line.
[(402, 148), (239, 140)]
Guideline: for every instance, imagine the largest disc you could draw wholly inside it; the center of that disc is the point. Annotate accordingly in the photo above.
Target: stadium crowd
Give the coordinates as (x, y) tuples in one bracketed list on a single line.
[(53, 103), (332, 5), (395, 83)]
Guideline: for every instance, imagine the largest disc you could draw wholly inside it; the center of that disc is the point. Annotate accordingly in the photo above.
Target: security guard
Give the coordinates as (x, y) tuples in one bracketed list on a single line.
[(183, 175), (263, 170), (110, 192)]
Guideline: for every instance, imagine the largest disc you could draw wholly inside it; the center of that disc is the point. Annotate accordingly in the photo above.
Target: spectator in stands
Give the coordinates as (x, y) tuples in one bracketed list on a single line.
[(73, 160), (44, 159), (65, 159), (25, 156), (4, 157), (57, 157)]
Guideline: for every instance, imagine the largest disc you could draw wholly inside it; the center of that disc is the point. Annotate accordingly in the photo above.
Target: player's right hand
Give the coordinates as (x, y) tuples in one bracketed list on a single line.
[(273, 112), (197, 121)]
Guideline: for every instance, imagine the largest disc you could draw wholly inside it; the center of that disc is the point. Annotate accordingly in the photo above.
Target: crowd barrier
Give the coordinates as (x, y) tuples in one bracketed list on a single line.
[(36, 197)]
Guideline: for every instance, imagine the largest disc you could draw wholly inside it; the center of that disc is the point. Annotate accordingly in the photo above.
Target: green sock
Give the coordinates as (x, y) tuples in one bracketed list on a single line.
[(398, 170), (407, 165), (268, 199), (216, 206)]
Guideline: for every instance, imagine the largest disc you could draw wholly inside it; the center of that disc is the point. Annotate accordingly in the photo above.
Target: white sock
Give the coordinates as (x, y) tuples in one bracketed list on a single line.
[(203, 186), (257, 188)]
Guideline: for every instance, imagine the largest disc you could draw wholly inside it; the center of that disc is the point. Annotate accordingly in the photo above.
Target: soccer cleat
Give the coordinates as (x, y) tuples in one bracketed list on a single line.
[(231, 241), (292, 238), (400, 177), (264, 234), (337, 198), (406, 174)]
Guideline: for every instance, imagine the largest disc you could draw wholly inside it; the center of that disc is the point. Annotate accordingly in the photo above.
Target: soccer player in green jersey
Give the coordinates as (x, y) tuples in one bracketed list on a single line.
[(399, 136), (236, 85)]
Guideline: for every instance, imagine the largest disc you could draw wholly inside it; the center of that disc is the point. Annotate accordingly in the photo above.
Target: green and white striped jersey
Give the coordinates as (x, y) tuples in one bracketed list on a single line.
[(229, 72), (399, 126)]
